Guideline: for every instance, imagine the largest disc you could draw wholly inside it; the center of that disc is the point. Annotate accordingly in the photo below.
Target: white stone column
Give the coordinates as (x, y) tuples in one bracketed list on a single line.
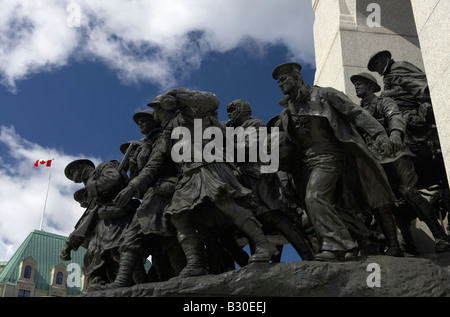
[(433, 26)]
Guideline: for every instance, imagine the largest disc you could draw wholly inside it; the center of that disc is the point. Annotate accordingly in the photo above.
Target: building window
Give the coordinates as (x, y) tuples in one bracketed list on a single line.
[(59, 278), (23, 293), (27, 272)]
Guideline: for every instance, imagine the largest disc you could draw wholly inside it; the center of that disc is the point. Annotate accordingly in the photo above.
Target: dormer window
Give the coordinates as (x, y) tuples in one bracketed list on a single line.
[(27, 272), (27, 269), (59, 278)]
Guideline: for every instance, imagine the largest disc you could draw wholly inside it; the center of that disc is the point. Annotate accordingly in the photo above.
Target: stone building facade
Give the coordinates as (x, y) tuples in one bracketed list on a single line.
[(35, 269)]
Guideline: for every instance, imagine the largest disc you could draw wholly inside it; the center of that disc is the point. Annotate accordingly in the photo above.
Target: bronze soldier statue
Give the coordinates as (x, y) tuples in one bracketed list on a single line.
[(407, 85), (167, 256), (271, 210), (150, 231), (321, 123), (200, 183), (102, 183), (400, 166)]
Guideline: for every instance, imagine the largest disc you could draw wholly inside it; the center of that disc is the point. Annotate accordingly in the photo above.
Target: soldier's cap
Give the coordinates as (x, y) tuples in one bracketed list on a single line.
[(144, 113), (155, 101), (79, 195), (124, 146), (244, 104), (286, 68), (68, 171), (375, 56), (366, 77), (271, 122)]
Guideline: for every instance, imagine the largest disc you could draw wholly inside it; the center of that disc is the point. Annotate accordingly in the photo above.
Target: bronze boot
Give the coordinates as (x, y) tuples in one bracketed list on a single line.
[(128, 262), (386, 221), (264, 250), (193, 251), (426, 213)]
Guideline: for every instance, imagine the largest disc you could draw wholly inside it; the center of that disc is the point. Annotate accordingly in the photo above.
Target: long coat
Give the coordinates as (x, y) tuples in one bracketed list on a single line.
[(104, 184), (364, 179), (204, 182)]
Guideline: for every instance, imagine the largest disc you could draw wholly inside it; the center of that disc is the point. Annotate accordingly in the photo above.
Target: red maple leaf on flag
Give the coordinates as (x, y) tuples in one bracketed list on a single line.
[(46, 163)]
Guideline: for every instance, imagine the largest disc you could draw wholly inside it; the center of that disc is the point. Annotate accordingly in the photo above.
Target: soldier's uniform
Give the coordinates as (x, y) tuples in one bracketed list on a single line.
[(400, 166), (107, 222), (321, 122), (407, 85)]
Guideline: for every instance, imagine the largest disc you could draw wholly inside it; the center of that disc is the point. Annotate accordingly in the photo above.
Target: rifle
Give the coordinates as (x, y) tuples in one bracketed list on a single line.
[(131, 145), (88, 220)]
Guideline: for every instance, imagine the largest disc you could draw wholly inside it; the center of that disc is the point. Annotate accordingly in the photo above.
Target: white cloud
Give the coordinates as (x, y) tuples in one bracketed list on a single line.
[(23, 189), (33, 37), (144, 40)]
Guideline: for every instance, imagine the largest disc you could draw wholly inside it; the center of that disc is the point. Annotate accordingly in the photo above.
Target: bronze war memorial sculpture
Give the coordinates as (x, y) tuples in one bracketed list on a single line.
[(333, 178)]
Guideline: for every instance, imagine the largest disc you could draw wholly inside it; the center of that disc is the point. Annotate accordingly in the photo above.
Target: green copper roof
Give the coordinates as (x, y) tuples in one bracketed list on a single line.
[(45, 248)]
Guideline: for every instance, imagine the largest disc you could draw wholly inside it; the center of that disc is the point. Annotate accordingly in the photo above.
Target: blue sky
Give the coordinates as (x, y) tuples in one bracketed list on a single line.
[(70, 92), (84, 108)]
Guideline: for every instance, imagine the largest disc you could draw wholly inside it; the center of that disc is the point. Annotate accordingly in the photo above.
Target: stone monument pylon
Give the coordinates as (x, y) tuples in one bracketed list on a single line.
[(348, 32)]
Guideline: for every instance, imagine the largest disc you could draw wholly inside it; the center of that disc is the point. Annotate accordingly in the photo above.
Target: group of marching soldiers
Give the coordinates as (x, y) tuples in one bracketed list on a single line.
[(349, 177)]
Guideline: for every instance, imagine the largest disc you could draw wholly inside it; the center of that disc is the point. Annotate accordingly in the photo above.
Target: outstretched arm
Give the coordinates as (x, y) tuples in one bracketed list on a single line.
[(361, 118), (148, 175)]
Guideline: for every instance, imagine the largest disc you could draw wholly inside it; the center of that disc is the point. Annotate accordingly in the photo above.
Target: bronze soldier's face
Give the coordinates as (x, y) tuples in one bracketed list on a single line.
[(157, 114), (380, 64), (286, 83), (231, 110), (146, 124), (81, 173), (363, 88), (161, 116), (76, 175)]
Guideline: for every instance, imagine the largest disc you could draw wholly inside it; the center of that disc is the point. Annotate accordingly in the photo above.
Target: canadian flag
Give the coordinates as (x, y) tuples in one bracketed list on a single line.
[(46, 163)]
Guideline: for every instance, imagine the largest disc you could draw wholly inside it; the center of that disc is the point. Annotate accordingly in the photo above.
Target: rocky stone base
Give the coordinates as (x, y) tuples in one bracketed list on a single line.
[(371, 276)]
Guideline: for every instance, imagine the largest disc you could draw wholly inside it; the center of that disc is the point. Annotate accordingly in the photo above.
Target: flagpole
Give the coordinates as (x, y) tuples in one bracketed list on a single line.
[(46, 195)]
